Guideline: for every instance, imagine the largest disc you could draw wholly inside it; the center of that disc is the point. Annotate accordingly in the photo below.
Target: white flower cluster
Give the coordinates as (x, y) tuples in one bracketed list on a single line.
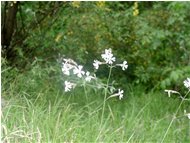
[(123, 65), (68, 67), (69, 86), (187, 83), (71, 67), (96, 64), (108, 56), (109, 59)]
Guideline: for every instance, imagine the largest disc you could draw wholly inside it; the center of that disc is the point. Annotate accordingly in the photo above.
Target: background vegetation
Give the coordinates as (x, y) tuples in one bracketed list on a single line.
[(153, 37)]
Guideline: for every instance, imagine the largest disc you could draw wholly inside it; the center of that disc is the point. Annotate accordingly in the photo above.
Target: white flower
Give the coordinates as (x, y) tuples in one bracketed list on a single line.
[(123, 65), (96, 64), (66, 68), (65, 71), (108, 56), (187, 114), (88, 76), (68, 86), (119, 94), (187, 83), (78, 71), (171, 91)]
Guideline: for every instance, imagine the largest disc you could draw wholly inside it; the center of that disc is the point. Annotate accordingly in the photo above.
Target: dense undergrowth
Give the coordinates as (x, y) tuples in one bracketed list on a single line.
[(153, 37), (37, 109)]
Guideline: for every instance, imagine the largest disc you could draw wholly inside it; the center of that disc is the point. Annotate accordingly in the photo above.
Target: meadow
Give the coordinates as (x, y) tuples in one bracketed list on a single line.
[(97, 71), (37, 109)]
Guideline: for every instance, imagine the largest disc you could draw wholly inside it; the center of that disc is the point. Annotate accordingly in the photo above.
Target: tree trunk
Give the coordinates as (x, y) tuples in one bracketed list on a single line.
[(8, 26)]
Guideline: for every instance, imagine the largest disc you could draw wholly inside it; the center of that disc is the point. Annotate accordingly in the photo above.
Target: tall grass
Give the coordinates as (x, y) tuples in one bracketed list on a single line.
[(37, 110)]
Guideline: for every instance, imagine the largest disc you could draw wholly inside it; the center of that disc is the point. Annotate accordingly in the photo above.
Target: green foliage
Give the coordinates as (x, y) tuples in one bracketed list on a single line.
[(153, 36), (45, 114), (174, 77)]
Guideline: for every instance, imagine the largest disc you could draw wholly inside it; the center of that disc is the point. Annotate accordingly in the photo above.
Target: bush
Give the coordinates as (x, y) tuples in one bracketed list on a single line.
[(153, 36)]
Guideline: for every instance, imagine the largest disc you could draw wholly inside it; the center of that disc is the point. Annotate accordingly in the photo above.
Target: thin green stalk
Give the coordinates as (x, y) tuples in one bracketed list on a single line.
[(86, 95), (85, 91), (105, 95), (183, 99)]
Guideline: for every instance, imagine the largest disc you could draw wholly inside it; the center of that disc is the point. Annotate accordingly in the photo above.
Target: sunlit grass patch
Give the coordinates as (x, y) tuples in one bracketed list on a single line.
[(42, 112), (140, 118)]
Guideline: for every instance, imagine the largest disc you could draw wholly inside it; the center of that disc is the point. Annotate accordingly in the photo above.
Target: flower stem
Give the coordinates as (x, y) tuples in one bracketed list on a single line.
[(174, 117), (105, 94), (85, 92)]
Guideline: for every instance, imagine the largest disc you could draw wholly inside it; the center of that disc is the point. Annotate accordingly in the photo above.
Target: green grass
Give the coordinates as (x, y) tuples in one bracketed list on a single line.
[(37, 110)]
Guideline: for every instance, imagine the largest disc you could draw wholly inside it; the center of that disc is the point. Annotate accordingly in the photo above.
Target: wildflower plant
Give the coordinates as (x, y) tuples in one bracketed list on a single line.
[(70, 68), (183, 98)]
